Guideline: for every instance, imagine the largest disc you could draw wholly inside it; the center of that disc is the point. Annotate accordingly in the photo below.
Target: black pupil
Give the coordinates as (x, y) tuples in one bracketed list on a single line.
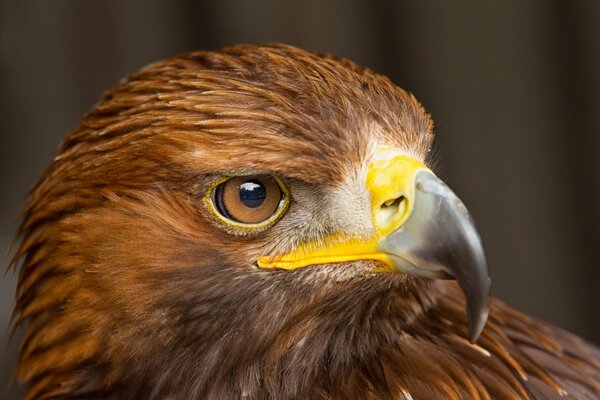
[(252, 193)]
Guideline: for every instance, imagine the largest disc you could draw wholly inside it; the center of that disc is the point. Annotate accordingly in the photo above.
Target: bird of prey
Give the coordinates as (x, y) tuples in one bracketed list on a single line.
[(262, 222)]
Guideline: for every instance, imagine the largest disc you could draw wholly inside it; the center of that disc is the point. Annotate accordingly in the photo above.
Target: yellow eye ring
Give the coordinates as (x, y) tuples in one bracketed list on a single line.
[(248, 202)]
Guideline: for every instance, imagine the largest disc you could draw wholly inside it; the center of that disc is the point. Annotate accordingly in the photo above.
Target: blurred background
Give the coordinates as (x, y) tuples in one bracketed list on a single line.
[(514, 88)]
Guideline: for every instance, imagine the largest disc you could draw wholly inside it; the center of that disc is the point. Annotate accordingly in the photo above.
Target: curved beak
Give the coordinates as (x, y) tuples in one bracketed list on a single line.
[(439, 240), (420, 227)]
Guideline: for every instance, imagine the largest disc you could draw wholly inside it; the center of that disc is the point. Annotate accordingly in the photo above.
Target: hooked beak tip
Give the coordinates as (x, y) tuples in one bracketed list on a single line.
[(439, 240)]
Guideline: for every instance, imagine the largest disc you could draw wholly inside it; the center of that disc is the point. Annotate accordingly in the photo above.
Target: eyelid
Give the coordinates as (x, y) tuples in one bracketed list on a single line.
[(209, 199)]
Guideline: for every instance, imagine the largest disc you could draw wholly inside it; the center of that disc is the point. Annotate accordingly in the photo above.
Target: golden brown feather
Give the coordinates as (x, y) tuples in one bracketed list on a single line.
[(129, 289)]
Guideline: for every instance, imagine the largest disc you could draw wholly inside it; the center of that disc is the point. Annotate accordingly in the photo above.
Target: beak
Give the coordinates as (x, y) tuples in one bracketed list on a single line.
[(439, 240), (420, 228)]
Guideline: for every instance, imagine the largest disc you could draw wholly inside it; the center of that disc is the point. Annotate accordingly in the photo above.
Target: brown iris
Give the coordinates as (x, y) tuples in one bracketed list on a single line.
[(248, 199)]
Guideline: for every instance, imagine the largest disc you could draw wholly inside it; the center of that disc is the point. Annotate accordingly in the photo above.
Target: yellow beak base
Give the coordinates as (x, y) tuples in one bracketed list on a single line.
[(390, 181)]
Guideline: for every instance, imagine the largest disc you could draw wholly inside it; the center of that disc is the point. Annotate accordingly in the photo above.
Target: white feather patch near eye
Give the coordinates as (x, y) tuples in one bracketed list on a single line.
[(350, 205)]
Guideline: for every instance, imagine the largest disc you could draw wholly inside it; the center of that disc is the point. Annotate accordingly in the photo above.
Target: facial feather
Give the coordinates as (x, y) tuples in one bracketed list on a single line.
[(130, 288)]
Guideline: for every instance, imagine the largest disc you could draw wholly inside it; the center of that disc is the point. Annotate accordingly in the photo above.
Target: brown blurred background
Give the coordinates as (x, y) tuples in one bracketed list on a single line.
[(514, 87)]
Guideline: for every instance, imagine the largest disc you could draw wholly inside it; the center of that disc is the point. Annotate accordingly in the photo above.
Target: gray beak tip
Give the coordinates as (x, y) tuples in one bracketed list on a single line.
[(439, 240), (478, 311)]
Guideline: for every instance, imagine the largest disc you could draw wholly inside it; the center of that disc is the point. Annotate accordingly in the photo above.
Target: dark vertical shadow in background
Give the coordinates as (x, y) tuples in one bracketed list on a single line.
[(514, 88)]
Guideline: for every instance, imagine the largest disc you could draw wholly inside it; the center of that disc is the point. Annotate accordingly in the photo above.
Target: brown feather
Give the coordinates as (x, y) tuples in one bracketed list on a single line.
[(129, 288)]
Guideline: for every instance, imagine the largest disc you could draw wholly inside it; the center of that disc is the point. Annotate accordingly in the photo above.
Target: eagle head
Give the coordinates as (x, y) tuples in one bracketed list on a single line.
[(257, 222)]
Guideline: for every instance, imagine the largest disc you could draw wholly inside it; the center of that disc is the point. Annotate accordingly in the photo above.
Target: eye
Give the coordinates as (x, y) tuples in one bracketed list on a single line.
[(249, 201)]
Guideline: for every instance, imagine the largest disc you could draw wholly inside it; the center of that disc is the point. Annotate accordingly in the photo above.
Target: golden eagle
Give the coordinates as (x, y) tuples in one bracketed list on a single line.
[(261, 222)]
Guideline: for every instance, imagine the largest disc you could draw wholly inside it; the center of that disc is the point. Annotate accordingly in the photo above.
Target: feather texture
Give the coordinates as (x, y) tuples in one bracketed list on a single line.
[(130, 289)]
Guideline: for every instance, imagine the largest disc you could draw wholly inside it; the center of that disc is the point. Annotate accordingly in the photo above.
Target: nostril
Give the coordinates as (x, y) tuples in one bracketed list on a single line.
[(390, 212), (393, 203)]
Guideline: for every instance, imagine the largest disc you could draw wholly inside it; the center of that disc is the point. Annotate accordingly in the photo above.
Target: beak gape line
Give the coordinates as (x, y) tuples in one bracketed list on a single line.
[(420, 228)]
